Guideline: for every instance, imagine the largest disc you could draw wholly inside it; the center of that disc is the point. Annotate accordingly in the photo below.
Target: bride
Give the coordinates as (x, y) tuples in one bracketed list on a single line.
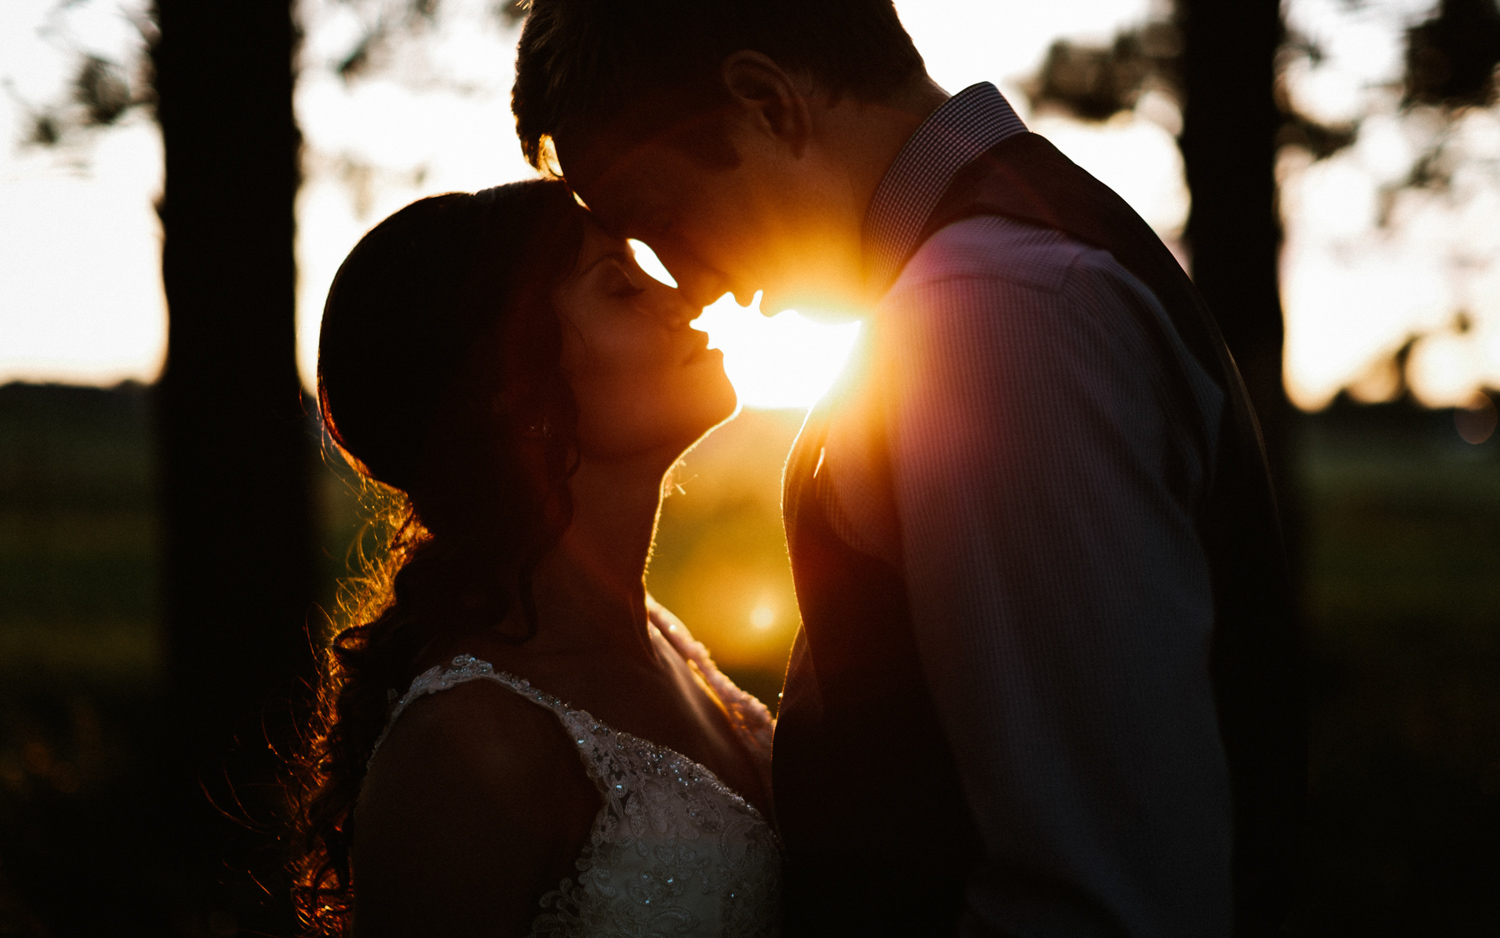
[(514, 739)]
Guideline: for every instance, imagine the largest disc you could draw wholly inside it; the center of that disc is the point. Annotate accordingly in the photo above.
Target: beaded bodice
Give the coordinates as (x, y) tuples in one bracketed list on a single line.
[(673, 850)]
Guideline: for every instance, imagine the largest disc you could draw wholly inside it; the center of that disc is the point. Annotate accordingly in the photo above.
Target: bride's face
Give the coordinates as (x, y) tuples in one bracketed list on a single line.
[(645, 381)]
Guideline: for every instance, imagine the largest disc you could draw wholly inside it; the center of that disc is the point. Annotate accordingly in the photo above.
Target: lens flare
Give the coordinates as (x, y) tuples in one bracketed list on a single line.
[(785, 360), (651, 264), (763, 616)]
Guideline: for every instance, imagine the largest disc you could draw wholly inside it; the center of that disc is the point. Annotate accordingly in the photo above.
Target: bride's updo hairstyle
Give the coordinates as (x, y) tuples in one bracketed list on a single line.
[(440, 381)]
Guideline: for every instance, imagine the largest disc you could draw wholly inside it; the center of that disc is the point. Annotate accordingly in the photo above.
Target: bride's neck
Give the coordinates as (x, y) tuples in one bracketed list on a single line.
[(591, 588)]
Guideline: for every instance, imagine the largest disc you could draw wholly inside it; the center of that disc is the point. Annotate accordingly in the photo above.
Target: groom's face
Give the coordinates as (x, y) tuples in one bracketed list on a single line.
[(767, 222)]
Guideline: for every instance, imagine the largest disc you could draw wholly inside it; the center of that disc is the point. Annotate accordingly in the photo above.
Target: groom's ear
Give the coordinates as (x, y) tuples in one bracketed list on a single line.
[(769, 97)]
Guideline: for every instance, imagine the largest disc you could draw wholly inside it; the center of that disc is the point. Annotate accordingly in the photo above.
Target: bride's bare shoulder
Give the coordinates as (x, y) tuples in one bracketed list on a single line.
[(474, 786), (475, 734)]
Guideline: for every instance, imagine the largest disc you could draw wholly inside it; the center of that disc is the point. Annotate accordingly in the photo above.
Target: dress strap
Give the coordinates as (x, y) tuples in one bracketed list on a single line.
[(608, 755), (467, 668)]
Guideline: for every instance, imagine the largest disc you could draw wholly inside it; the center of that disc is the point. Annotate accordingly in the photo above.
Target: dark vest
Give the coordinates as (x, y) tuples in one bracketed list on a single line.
[(879, 839)]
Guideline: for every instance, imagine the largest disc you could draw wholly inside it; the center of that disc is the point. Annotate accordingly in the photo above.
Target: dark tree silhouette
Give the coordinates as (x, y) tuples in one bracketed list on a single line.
[(234, 444), (1219, 60), (1230, 124)]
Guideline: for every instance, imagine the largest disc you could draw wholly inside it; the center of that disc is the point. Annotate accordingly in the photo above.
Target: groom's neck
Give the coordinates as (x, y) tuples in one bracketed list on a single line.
[(867, 136), (863, 138)]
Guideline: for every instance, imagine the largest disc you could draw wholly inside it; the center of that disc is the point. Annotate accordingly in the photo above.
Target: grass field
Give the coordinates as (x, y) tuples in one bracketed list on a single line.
[(1402, 585), (1401, 574)]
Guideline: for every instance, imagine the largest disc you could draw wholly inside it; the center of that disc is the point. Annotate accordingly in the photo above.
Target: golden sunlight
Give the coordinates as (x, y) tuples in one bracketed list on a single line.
[(785, 360), (651, 264), (763, 616)]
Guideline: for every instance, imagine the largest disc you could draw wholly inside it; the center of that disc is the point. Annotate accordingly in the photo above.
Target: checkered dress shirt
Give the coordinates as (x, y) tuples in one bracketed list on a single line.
[(1041, 507)]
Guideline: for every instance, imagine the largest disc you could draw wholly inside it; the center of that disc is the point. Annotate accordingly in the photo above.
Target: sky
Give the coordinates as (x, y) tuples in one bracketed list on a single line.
[(1367, 266)]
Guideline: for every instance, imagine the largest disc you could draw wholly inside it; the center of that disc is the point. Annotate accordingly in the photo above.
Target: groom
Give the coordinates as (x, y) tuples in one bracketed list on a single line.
[(1046, 679)]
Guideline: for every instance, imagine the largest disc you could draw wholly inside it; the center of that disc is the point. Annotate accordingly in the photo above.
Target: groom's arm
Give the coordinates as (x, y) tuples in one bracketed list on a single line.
[(1044, 476)]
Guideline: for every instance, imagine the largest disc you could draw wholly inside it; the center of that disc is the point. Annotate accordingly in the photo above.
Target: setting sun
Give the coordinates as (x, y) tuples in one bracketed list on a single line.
[(763, 616), (785, 360)]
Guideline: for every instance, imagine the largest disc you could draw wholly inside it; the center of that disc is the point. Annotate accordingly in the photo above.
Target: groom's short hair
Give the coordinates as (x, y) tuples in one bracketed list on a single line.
[(584, 64)]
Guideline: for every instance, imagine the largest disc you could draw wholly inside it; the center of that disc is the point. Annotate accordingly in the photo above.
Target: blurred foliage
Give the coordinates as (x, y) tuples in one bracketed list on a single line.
[(1451, 59), (1094, 83), (101, 92), (383, 22), (386, 22), (1452, 62)]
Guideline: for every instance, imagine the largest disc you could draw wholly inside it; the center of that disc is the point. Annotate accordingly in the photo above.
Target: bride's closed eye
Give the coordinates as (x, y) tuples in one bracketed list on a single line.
[(619, 283)]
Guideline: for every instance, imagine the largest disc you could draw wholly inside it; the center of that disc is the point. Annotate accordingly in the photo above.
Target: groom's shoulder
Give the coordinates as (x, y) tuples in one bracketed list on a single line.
[(993, 247)]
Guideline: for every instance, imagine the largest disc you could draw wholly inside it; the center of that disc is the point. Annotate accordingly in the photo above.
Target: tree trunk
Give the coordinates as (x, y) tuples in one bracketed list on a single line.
[(1230, 122), (234, 444)]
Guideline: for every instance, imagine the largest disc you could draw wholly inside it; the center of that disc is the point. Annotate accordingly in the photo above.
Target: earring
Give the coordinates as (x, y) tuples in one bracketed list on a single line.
[(541, 428)]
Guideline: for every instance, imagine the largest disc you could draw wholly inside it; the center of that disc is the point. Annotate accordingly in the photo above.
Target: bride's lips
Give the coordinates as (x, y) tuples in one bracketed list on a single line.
[(700, 349)]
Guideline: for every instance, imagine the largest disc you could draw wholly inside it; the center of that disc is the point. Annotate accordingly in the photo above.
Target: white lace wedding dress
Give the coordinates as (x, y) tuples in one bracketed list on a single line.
[(674, 851)]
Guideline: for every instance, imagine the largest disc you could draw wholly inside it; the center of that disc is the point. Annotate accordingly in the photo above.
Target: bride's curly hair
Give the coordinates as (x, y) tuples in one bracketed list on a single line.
[(440, 381)]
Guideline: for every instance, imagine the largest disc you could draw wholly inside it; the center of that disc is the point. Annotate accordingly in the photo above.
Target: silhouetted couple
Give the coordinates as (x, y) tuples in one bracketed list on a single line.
[(1045, 682)]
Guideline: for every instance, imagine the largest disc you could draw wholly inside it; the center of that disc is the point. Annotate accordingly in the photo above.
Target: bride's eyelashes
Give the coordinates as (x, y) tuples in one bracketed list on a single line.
[(620, 284)]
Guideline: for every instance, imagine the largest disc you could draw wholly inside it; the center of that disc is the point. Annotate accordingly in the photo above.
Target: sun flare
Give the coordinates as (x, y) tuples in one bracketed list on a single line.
[(651, 264), (763, 616), (785, 360)]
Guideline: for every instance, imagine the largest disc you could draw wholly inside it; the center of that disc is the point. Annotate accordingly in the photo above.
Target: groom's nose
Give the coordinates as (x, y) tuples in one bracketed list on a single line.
[(699, 288), (697, 283)]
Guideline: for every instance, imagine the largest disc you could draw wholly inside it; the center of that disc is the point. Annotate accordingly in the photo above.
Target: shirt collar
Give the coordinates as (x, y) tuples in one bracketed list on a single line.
[(965, 126)]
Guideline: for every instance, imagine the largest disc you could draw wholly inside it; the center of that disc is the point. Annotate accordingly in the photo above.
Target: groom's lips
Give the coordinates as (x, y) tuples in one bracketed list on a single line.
[(700, 348)]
